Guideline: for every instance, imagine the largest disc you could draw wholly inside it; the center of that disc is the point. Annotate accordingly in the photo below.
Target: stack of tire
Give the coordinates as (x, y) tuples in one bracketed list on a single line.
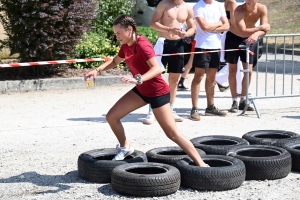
[(224, 173), (132, 176), (270, 154), (258, 155), (287, 140), (97, 165)]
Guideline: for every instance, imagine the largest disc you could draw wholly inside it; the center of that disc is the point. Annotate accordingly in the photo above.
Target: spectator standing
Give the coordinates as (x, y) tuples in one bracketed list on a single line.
[(210, 20)]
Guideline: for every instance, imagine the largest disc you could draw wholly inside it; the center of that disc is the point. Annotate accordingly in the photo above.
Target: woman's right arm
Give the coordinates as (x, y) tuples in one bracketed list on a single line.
[(105, 66)]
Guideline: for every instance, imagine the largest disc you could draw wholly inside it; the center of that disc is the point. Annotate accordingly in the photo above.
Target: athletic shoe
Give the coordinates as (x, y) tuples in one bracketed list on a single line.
[(149, 119), (222, 88), (242, 106), (181, 86), (122, 152), (177, 117), (195, 115), (215, 111), (234, 107)]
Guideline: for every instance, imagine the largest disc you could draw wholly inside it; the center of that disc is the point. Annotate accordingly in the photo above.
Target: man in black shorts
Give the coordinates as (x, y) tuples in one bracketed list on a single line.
[(240, 33), (210, 20), (168, 20)]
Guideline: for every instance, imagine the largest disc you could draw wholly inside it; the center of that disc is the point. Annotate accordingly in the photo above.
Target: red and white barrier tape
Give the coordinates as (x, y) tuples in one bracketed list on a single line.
[(55, 62)]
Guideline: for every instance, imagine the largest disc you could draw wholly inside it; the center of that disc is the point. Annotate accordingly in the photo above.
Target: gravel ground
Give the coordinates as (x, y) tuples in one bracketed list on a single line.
[(43, 133)]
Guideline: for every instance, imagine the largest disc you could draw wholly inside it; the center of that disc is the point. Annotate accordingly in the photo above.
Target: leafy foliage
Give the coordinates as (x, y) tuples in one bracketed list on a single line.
[(94, 45), (106, 12), (46, 29), (149, 33)]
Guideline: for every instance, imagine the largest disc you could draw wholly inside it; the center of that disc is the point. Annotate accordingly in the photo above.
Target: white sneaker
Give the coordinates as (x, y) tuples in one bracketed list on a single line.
[(149, 119), (122, 152), (177, 117)]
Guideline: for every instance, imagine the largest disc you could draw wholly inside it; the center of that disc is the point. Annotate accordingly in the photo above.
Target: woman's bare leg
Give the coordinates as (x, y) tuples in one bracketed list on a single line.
[(125, 105), (165, 119)]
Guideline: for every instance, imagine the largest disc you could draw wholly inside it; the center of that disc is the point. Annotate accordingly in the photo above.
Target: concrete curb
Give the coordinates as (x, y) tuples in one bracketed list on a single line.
[(54, 83)]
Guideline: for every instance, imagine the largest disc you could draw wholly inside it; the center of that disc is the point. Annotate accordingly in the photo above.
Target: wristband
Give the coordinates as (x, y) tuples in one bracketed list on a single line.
[(97, 70), (138, 79)]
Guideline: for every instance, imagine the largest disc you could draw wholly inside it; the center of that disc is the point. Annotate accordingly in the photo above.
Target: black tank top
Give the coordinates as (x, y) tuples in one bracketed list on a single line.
[(228, 14)]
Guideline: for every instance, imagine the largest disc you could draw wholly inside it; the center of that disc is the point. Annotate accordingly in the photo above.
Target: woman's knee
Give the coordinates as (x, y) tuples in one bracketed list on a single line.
[(173, 136), (111, 116)]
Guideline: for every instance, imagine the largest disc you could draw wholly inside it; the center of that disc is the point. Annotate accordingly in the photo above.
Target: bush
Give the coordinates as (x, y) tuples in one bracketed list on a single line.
[(106, 12), (94, 45), (149, 33), (44, 30)]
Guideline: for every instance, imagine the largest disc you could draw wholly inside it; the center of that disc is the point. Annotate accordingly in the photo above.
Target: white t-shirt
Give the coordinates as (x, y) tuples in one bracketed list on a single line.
[(211, 13)]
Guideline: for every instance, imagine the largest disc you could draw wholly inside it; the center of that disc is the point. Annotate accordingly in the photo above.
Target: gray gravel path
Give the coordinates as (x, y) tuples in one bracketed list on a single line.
[(43, 133)]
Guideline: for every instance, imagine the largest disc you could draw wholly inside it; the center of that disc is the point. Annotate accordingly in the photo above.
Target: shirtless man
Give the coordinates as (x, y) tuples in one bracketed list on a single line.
[(241, 32), (167, 19)]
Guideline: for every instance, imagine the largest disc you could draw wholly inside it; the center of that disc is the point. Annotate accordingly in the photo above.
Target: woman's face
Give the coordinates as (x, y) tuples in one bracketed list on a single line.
[(123, 35)]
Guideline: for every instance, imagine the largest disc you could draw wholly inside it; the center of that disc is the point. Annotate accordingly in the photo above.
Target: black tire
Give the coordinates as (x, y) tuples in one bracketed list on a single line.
[(270, 137), (145, 179), (224, 173), (217, 144), (96, 165), (168, 155), (263, 162), (294, 149)]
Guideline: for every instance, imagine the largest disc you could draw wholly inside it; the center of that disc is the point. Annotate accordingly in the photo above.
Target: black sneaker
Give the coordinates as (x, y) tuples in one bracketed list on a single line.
[(215, 111), (181, 86), (234, 107), (242, 105), (222, 88)]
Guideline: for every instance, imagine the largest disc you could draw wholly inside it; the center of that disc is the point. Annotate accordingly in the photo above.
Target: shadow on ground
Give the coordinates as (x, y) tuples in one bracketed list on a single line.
[(58, 181), (132, 117), (292, 117)]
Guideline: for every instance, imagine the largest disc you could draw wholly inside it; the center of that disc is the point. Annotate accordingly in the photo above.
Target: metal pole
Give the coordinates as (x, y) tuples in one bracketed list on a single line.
[(246, 47)]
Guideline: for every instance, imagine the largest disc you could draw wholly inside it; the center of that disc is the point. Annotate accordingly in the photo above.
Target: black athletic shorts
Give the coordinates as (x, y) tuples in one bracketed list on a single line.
[(155, 102), (232, 42), (206, 60), (175, 63)]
